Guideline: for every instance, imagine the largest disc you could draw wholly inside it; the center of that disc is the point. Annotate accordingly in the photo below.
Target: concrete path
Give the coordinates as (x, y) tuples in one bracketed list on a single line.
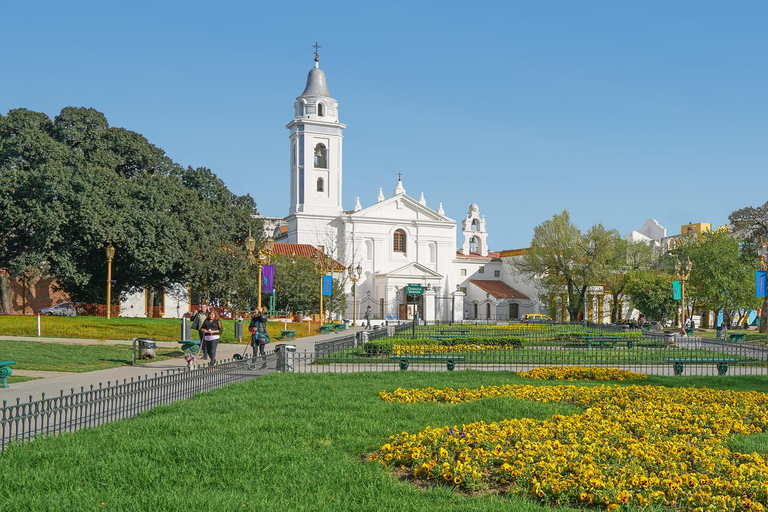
[(53, 383)]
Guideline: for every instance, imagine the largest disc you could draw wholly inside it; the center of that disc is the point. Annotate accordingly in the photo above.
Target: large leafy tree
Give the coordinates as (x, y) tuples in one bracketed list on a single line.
[(71, 186), (751, 225), (650, 292)]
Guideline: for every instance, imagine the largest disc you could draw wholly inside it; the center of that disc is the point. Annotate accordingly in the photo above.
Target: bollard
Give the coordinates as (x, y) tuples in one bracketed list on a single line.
[(186, 329)]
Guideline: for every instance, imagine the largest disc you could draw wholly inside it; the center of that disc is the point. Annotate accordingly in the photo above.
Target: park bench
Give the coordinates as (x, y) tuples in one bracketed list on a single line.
[(737, 337), (5, 372), (338, 327), (288, 335), (722, 364), (613, 339), (450, 360), (325, 328)]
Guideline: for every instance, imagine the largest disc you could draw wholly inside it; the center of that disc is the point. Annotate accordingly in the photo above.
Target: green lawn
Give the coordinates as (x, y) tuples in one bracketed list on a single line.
[(62, 357), (282, 442), (95, 327)]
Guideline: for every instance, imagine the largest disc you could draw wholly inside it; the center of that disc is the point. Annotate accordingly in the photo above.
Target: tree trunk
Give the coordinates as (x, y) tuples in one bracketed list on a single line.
[(6, 304)]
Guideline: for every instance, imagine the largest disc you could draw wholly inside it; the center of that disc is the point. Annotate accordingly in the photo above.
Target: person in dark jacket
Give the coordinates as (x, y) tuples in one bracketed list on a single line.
[(211, 330), (200, 316), (259, 336)]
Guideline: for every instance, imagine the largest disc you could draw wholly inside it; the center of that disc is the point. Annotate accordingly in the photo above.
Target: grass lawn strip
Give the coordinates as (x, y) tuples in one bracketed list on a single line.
[(63, 357)]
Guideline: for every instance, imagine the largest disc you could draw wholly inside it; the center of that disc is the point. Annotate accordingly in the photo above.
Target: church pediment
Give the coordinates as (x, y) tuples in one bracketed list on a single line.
[(411, 271), (400, 207)]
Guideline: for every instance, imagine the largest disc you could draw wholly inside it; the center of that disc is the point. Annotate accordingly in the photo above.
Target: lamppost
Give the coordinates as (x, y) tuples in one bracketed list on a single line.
[(262, 256), (110, 256), (354, 275), (762, 252), (318, 258), (683, 273)]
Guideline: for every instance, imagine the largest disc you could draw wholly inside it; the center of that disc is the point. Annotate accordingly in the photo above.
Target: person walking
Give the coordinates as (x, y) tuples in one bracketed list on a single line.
[(211, 330), (367, 316), (259, 336), (200, 316)]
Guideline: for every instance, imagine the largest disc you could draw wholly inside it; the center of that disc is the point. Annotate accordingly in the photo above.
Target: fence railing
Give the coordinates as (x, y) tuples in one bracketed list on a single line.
[(68, 412)]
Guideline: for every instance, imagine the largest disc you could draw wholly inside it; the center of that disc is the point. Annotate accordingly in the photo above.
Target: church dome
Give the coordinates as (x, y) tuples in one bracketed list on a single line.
[(316, 84)]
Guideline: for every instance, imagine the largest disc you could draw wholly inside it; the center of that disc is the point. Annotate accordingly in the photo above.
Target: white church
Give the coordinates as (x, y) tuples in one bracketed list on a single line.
[(401, 244)]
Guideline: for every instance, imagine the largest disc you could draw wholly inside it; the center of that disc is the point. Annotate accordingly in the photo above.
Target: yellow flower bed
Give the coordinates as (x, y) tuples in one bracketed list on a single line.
[(416, 350), (631, 447), (580, 373)]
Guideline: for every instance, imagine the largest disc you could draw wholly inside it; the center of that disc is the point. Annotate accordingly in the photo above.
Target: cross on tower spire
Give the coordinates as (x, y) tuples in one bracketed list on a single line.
[(316, 47), (399, 176)]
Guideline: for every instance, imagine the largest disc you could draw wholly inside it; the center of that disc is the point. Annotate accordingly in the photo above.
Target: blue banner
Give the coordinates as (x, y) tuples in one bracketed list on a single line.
[(761, 276), (327, 286), (677, 290), (267, 278)]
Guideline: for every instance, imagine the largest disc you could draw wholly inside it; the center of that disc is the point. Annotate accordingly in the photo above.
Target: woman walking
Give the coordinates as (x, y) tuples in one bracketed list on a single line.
[(259, 336), (211, 330)]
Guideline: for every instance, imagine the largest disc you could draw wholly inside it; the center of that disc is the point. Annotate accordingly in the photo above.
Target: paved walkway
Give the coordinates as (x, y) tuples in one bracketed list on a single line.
[(53, 383)]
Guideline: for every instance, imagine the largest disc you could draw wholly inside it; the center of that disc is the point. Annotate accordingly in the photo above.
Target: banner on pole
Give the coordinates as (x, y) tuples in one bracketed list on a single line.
[(677, 290), (327, 286), (761, 276), (267, 278)]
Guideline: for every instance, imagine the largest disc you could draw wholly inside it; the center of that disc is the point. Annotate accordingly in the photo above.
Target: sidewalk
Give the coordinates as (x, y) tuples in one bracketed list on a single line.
[(52, 383)]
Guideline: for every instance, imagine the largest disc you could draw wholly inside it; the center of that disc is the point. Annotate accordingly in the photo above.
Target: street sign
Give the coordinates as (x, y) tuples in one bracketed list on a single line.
[(414, 289)]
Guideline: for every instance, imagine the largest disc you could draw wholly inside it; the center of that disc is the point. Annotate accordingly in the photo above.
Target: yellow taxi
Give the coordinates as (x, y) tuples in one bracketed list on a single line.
[(535, 317)]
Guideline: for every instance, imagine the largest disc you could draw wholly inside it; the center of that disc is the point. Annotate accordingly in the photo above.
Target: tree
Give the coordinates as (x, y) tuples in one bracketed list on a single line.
[(751, 225), (562, 259), (298, 284), (651, 292)]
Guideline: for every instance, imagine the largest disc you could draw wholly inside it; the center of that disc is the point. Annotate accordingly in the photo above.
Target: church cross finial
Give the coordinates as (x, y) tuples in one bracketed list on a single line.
[(399, 176), (316, 47)]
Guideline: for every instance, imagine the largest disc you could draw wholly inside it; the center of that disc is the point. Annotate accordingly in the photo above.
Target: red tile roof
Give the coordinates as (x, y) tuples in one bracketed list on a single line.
[(304, 251), (491, 255), (498, 289)]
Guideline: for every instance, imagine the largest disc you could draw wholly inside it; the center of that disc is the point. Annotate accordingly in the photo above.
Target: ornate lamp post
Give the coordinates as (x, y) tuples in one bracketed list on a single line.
[(683, 272), (110, 257), (762, 252), (262, 256), (354, 275), (318, 258)]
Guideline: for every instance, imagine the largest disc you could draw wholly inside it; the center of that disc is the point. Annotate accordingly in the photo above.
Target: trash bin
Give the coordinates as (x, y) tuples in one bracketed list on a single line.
[(147, 348), (669, 337), (720, 332), (286, 357), (186, 330), (239, 328)]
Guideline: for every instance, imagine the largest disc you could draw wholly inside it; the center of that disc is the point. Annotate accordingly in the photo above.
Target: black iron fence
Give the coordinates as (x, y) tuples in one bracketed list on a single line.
[(68, 412)]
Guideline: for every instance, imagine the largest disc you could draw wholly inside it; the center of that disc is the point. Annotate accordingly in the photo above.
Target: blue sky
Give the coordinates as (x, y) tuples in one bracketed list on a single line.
[(615, 111)]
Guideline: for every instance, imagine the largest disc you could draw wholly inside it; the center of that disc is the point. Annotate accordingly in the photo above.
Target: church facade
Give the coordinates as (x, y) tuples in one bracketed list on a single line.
[(401, 244)]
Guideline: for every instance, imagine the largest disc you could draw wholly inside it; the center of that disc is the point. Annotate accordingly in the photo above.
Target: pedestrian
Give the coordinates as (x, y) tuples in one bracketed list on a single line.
[(259, 336), (367, 316), (211, 330), (200, 316)]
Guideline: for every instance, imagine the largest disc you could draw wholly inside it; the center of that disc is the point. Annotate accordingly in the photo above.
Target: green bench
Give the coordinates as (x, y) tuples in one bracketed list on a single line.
[(338, 327), (288, 335), (448, 359), (737, 337), (722, 364), (325, 328), (613, 339), (5, 372)]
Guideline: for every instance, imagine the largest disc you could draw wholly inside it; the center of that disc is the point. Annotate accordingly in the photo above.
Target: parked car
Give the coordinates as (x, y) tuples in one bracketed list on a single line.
[(63, 309), (535, 317)]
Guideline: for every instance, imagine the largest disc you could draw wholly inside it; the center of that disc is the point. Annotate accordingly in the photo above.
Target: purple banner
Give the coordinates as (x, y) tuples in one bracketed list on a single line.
[(761, 276), (267, 278)]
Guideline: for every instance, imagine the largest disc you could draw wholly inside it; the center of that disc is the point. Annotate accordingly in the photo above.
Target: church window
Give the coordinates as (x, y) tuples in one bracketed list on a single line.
[(473, 244), (463, 272), (481, 270), (321, 157), (497, 273), (320, 109), (293, 154), (320, 184), (398, 241)]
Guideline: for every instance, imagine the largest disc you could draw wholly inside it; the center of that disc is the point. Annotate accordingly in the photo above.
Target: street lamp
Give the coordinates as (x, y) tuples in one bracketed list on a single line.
[(354, 275), (110, 257), (318, 258), (762, 252), (262, 256), (683, 272)]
